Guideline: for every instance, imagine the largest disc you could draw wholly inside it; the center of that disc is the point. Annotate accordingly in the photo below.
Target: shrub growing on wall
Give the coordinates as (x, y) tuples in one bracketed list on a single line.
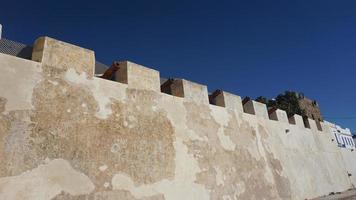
[(262, 99), (287, 101)]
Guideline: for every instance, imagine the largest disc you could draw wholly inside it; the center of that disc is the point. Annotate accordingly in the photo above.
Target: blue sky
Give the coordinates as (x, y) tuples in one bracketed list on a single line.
[(249, 48)]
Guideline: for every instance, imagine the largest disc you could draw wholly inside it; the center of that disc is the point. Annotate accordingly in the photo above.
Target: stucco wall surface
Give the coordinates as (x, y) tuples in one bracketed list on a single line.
[(67, 135)]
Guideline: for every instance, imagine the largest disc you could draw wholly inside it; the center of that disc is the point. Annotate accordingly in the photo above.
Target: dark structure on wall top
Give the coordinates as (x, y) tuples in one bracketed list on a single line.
[(295, 103)]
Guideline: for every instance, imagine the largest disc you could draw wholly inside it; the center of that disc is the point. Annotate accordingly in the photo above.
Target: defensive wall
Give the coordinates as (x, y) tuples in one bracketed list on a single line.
[(66, 134)]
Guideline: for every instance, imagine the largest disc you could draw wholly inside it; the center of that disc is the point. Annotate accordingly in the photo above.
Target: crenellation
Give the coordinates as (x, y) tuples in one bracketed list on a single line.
[(291, 120), (256, 108), (312, 124), (62, 55), (166, 86), (217, 98), (173, 87), (55, 53), (38, 49), (278, 115), (306, 122), (248, 106), (260, 109), (319, 125), (138, 76), (195, 92), (272, 113), (296, 120), (135, 138), (232, 101)]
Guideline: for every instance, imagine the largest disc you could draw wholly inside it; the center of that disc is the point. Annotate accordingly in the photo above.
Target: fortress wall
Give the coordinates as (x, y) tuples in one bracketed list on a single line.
[(75, 136), (311, 161), (350, 164), (296, 120), (231, 101), (279, 115), (256, 108)]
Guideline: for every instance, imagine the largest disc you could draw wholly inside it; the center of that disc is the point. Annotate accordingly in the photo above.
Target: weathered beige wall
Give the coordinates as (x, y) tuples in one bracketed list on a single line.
[(67, 135)]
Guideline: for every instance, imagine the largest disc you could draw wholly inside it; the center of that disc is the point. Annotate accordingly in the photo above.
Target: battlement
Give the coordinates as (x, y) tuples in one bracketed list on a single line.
[(62, 55), (138, 77), (278, 115), (131, 132)]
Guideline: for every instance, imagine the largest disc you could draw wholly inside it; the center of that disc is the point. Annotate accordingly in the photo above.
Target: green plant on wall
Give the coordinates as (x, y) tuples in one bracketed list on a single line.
[(287, 101), (262, 99)]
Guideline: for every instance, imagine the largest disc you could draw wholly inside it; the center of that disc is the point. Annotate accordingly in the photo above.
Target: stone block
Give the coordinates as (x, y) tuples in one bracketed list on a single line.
[(297, 120), (62, 55), (231, 101), (173, 87), (256, 108), (312, 124), (279, 115), (138, 77), (193, 92)]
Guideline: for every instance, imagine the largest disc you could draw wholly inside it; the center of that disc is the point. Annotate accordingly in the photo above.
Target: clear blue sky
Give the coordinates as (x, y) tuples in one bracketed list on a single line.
[(249, 48)]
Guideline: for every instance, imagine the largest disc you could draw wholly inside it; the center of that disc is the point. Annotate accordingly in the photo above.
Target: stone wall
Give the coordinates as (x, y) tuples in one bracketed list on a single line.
[(65, 134), (311, 108)]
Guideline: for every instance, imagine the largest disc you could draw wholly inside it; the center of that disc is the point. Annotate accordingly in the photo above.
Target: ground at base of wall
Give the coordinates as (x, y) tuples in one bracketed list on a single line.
[(346, 195)]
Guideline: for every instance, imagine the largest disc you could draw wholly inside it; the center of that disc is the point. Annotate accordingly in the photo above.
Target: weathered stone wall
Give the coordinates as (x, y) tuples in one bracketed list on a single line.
[(65, 134), (311, 109)]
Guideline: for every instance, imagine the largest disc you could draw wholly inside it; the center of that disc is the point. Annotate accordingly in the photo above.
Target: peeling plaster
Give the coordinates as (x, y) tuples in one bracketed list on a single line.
[(182, 187), (148, 145), (19, 96), (45, 182), (103, 93), (225, 140), (222, 117), (103, 168)]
